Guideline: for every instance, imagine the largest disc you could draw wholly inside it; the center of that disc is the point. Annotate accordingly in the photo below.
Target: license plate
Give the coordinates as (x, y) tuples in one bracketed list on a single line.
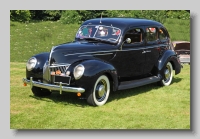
[(63, 79)]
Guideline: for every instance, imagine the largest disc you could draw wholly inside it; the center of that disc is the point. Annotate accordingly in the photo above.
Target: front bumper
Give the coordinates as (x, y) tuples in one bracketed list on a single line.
[(53, 87)]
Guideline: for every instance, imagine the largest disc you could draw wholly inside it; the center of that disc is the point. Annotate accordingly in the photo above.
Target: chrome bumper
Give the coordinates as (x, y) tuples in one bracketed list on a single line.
[(53, 87)]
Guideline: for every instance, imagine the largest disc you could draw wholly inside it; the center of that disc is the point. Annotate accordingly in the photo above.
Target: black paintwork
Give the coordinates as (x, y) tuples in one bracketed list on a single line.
[(37, 72), (118, 60), (93, 69), (77, 51)]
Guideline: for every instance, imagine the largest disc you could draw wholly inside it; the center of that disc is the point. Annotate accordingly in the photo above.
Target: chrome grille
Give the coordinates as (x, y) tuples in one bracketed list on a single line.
[(62, 67), (53, 68)]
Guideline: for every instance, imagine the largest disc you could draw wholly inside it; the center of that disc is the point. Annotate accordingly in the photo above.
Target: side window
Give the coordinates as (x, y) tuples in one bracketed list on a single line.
[(151, 34), (162, 34), (136, 35)]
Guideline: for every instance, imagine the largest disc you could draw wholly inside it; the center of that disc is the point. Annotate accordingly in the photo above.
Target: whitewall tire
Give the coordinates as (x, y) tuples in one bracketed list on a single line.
[(168, 75), (101, 91)]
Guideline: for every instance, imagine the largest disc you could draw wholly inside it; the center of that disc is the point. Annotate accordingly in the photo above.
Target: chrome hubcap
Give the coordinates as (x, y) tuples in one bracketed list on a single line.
[(167, 73), (101, 90)]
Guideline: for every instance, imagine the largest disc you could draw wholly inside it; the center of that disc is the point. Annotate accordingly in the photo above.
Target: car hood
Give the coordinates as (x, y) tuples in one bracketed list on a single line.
[(75, 51)]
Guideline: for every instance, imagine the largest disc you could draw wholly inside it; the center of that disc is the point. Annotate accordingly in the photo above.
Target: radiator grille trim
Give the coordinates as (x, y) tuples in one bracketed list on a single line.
[(47, 69)]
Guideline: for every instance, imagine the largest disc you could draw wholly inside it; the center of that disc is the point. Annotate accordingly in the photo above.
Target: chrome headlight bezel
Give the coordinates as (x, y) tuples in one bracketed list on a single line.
[(78, 71), (31, 63)]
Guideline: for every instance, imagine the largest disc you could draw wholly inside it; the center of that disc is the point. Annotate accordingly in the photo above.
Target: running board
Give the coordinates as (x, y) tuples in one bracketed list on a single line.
[(136, 83)]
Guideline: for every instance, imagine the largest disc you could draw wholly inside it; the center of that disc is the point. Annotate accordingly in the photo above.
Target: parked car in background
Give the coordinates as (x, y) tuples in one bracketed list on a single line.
[(182, 48), (107, 54)]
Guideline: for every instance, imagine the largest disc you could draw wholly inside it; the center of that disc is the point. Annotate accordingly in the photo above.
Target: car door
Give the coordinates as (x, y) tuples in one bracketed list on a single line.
[(130, 60), (152, 48)]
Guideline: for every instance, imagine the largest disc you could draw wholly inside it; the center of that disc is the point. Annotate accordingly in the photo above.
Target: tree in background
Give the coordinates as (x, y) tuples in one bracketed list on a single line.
[(20, 15), (78, 16), (52, 15), (158, 15)]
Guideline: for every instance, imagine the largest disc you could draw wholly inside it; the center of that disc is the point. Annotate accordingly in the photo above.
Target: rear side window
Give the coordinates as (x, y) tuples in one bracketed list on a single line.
[(162, 34), (151, 34)]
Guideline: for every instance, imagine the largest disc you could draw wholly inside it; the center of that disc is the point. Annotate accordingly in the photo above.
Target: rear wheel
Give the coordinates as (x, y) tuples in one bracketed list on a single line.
[(168, 75), (100, 92), (40, 91)]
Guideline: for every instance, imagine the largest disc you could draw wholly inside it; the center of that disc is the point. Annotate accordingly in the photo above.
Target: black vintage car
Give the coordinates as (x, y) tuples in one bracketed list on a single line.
[(108, 54)]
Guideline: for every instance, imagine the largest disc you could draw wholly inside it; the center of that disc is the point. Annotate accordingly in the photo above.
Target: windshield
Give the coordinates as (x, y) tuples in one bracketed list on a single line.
[(100, 32)]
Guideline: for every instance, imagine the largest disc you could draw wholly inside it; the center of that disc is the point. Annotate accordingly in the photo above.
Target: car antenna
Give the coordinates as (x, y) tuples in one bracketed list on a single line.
[(101, 17)]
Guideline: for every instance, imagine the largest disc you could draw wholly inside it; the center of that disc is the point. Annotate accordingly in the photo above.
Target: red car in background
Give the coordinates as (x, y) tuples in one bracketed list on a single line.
[(182, 48)]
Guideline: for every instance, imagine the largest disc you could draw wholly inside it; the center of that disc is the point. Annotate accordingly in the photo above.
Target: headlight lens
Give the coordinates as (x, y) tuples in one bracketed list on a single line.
[(78, 71), (31, 63)]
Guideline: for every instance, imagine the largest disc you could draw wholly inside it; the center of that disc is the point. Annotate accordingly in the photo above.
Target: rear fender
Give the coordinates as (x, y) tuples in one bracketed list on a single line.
[(169, 56)]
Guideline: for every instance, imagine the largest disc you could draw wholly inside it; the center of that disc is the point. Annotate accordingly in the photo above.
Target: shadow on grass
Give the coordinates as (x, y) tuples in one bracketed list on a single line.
[(71, 98), (138, 90), (64, 98)]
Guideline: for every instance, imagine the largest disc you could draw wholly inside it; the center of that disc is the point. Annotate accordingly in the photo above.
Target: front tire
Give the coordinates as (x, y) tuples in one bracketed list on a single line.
[(40, 92), (100, 92), (168, 75)]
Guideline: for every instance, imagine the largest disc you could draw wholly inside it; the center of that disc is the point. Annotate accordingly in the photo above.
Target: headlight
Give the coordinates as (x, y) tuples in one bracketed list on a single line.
[(78, 71), (31, 63)]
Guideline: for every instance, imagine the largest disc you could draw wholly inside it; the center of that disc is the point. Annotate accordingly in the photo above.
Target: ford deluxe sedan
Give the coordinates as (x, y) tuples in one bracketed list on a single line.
[(107, 54)]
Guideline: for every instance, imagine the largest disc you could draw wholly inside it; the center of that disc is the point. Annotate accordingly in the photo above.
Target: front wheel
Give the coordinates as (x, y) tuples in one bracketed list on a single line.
[(40, 92), (168, 75), (100, 92)]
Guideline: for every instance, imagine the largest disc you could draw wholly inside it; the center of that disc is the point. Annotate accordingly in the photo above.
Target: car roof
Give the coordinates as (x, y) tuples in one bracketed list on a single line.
[(122, 22)]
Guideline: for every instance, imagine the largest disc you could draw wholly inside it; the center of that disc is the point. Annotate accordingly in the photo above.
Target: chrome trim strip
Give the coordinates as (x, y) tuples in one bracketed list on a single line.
[(59, 65), (46, 72), (96, 54), (142, 48), (84, 55), (53, 87), (51, 53), (91, 52), (104, 54)]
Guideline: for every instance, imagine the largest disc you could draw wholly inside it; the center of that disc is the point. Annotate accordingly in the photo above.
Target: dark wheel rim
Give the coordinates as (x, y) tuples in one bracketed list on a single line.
[(167, 73), (101, 90)]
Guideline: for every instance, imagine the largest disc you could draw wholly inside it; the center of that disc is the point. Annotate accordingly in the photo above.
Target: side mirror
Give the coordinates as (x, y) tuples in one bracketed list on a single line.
[(128, 40)]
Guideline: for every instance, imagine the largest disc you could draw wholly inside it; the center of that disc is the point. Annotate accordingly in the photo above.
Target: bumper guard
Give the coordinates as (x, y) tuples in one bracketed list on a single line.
[(53, 87)]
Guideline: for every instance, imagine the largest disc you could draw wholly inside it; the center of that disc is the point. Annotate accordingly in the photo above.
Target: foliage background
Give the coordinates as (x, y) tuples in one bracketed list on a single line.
[(78, 16)]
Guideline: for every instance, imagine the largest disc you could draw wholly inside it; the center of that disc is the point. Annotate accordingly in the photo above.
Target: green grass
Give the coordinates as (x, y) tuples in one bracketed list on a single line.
[(178, 29), (147, 107), (29, 39)]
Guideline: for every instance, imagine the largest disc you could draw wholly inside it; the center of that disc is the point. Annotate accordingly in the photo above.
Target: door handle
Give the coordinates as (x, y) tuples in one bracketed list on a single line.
[(143, 52), (148, 51)]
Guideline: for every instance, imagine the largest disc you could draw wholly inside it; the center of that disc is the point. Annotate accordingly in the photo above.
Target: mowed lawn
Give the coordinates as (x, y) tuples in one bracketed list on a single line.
[(147, 107)]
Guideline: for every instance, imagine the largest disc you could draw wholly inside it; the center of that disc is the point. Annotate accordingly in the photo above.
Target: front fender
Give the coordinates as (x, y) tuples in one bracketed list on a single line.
[(37, 72), (95, 68)]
